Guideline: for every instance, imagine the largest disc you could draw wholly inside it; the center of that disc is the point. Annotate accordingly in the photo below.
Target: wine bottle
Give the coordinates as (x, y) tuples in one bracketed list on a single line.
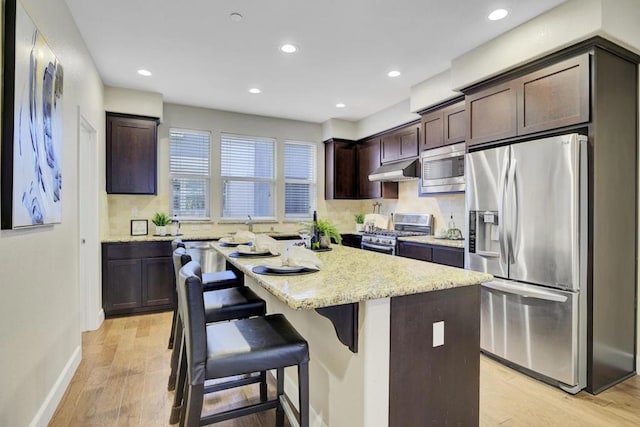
[(315, 236)]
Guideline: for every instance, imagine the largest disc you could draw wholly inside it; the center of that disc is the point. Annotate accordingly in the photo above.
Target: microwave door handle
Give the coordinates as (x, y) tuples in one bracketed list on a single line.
[(525, 292), (502, 193)]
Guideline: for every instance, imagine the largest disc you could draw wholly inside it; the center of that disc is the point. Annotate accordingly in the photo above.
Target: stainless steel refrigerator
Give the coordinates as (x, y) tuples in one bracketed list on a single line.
[(527, 211)]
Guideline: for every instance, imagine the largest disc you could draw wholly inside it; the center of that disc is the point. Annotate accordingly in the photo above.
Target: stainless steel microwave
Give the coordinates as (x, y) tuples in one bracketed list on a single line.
[(443, 169)]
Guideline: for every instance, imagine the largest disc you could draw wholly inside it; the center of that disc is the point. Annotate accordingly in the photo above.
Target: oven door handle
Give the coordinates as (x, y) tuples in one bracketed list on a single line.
[(372, 246)]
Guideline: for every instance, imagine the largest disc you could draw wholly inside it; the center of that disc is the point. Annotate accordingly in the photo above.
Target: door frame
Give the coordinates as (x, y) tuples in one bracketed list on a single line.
[(90, 295)]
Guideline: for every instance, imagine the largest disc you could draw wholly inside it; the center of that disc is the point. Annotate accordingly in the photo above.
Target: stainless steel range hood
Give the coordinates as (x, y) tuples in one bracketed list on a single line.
[(399, 171)]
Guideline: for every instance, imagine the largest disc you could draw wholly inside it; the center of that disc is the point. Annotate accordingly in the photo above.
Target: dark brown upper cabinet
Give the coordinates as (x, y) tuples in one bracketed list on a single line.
[(444, 126), (340, 169), (131, 154), (491, 114), (368, 160), (555, 96), (550, 98), (399, 145)]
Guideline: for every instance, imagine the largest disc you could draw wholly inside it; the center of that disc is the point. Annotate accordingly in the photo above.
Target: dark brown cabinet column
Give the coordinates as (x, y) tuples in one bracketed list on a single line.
[(131, 154)]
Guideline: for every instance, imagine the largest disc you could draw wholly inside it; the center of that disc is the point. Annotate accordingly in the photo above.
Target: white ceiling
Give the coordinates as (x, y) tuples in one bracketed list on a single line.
[(200, 57)]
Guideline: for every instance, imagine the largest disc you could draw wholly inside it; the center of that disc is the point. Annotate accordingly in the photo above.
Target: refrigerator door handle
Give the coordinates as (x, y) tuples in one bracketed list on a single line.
[(512, 190), (525, 292), (502, 194)]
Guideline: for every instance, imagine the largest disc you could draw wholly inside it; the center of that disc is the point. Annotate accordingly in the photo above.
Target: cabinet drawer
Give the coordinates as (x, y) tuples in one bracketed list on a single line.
[(452, 257), (129, 250), (415, 251)]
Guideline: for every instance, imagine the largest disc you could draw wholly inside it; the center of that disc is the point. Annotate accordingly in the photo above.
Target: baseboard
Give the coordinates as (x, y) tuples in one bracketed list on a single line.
[(99, 320), (48, 407)]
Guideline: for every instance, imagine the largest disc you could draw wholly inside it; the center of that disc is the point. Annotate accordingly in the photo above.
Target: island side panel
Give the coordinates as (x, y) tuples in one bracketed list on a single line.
[(435, 385), (345, 389)]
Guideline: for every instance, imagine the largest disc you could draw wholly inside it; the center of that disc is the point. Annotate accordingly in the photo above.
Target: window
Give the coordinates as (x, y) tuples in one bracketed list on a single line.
[(248, 176), (299, 179), (190, 173)]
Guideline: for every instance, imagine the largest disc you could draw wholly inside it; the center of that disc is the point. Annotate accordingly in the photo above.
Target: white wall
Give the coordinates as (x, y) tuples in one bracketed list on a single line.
[(337, 128), (39, 308), (129, 101), (388, 118), (432, 91)]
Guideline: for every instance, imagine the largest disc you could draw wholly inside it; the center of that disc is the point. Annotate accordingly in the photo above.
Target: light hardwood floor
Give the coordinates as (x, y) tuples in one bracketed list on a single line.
[(123, 376)]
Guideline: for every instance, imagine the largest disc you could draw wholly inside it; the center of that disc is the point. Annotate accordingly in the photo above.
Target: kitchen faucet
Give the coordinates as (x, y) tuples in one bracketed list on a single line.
[(250, 223)]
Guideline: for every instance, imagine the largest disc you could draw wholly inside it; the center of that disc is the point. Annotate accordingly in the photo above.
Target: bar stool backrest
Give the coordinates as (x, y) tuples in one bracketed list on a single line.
[(191, 306), (180, 259), (177, 243)]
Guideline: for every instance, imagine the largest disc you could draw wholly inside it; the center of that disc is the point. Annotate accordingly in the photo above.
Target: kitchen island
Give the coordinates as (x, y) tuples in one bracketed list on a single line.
[(400, 373)]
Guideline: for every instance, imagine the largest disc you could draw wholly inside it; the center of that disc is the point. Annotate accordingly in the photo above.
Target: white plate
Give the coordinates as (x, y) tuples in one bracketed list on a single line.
[(229, 241), (248, 251), (284, 269)]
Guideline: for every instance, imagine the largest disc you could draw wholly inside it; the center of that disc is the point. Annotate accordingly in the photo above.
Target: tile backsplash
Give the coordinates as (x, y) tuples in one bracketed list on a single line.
[(123, 208)]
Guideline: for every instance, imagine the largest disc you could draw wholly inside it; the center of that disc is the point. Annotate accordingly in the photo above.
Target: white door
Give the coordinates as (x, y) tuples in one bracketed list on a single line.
[(91, 312)]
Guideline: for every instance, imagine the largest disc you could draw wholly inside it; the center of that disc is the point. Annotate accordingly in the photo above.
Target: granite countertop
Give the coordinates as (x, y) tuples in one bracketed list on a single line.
[(203, 235), (430, 240), (352, 275)]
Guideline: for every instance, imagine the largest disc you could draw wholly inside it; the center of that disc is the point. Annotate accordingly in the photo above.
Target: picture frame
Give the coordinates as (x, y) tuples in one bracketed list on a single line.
[(139, 227), (32, 137)]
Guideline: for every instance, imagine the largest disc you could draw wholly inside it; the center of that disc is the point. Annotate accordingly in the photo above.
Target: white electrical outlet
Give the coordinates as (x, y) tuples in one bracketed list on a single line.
[(438, 333)]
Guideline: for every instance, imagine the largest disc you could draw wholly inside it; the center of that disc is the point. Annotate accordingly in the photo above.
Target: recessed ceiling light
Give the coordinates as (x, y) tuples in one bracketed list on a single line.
[(235, 17), (393, 73), (288, 48), (145, 73), (498, 14), (254, 90), (340, 105)]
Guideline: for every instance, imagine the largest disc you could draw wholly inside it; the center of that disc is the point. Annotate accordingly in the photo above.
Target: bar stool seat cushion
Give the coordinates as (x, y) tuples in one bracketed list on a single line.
[(252, 345), (232, 303), (219, 280)]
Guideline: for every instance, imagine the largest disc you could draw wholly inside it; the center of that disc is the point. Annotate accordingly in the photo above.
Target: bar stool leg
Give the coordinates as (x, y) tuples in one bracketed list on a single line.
[(193, 405), (279, 393), (173, 329), (263, 386), (303, 393), (178, 395), (175, 354)]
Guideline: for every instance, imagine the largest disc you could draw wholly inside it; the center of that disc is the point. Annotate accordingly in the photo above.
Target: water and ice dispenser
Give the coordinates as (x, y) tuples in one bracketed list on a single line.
[(484, 237)]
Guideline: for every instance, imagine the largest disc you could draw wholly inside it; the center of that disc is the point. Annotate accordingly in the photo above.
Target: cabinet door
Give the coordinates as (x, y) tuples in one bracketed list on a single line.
[(432, 130), (491, 114), (352, 240), (157, 281), (455, 124), (340, 170), (122, 288), (408, 141), (131, 154), (415, 251), (555, 96), (368, 156), (389, 148), (453, 257)]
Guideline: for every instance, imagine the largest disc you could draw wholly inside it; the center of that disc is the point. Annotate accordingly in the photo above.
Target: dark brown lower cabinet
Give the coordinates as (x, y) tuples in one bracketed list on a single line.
[(453, 257), (137, 277), (435, 383), (352, 240)]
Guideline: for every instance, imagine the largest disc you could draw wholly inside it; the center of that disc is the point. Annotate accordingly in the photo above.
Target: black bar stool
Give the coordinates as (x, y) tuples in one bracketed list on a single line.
[(212, 281), (222, 304), (227, 349)]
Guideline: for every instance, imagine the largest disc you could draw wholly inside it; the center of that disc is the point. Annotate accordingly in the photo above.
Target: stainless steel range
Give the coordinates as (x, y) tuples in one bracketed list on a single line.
[(386, 241)]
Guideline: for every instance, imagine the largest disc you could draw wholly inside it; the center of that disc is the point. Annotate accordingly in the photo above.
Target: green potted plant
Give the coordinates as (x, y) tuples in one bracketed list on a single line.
[(161, 221), (359, 222), (327, 232)]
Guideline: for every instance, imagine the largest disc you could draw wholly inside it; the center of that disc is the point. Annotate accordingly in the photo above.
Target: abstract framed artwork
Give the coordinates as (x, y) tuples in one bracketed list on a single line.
[(31, 180)]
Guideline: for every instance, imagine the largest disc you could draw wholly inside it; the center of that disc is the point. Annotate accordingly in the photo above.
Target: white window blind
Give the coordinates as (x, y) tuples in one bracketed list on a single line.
[(299, 179), (189, 168), (248, 176)]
